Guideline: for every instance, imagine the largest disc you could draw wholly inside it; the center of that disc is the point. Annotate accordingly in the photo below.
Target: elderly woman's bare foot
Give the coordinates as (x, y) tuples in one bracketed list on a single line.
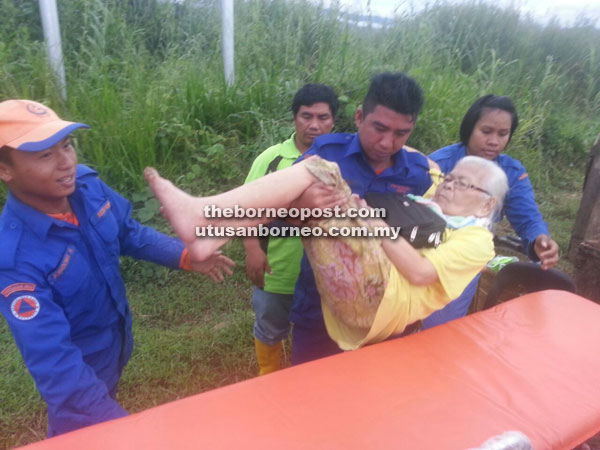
[(183, 211)]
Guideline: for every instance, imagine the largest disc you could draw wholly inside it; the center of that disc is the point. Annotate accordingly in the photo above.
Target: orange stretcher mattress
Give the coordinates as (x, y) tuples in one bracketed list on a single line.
[(531, 364)]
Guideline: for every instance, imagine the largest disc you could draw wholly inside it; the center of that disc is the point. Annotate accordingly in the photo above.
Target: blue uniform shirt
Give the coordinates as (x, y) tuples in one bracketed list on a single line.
[(63, 297), (519, 205), (408, 174)]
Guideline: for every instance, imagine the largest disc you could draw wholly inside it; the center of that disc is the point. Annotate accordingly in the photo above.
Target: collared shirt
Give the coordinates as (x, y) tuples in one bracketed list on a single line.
[(64, 300), (283, 254), (519, 205), (409, 173)]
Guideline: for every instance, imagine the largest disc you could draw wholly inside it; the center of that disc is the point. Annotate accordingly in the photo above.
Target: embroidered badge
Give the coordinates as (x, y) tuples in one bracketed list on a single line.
[(8, 290), (103, 210), (64, 263), (38, 110), (400, 189), (25, 307)]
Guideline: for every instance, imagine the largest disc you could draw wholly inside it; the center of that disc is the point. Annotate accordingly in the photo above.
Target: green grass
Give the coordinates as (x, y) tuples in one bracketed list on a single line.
[(147, 76)]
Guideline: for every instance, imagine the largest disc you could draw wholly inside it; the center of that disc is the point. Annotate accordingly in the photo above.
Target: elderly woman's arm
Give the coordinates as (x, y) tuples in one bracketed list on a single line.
[(417, 269)]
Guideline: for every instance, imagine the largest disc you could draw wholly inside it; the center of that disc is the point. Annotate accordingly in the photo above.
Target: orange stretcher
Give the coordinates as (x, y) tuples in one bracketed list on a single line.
[(531, 364)]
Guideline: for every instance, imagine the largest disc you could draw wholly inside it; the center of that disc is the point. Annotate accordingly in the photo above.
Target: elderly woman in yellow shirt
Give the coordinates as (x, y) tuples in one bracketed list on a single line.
[(371, 288)]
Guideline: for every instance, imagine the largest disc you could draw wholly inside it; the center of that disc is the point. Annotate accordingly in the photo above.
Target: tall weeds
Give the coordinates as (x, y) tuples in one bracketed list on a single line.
[(147, 75)]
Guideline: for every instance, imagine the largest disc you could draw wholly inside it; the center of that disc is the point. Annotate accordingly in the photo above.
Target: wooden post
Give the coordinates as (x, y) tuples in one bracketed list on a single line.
[(584, 248)]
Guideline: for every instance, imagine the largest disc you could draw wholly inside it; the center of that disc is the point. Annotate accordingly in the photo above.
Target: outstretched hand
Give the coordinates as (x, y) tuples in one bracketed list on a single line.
[(546, 250), (216, 266)]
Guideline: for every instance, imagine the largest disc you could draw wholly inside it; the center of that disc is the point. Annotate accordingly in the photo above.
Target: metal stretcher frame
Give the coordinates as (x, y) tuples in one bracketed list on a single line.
[(530, 364)]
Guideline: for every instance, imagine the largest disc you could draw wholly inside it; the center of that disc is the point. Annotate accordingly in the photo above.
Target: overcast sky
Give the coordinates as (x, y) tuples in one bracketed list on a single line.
[(566, 10)]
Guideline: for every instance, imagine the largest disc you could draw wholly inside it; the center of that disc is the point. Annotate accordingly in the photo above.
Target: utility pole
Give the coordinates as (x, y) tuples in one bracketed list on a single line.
[(227, 40), (51, 27)]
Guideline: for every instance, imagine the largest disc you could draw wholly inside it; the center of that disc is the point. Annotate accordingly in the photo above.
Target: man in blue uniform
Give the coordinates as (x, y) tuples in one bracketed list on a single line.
[(62, 231), (372, 160)]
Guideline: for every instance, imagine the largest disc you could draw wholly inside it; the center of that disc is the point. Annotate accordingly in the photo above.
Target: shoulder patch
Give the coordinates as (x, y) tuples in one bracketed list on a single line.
[(25, 307), (523, 176), (16, 287)]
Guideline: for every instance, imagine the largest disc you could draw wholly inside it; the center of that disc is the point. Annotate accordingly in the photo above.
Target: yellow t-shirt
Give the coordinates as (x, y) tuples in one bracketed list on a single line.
[(461, 256), (436, 178)]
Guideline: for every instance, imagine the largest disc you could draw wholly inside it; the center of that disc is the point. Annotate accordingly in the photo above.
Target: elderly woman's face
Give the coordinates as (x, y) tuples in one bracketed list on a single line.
[(462, 193)]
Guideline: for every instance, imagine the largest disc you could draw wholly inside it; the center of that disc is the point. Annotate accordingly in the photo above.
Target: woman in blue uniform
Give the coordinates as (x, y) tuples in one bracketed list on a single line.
[(485, 131)]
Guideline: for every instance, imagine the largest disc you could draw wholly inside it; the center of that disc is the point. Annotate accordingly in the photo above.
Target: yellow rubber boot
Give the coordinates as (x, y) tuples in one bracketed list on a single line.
[(267, 356)]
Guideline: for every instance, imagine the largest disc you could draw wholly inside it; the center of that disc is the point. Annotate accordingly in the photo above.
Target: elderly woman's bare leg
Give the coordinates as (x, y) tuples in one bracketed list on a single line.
[(276, 190), (351, 274)]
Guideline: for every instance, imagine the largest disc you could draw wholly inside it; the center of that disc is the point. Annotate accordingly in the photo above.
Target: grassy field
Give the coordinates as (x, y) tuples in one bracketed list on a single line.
[(147, 76)]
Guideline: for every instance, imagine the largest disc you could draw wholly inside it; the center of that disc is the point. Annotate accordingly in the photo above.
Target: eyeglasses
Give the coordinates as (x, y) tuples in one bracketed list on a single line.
[(462, 184)]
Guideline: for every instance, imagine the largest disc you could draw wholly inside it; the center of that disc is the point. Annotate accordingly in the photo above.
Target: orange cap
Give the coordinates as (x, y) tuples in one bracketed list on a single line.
[(31, 126)]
